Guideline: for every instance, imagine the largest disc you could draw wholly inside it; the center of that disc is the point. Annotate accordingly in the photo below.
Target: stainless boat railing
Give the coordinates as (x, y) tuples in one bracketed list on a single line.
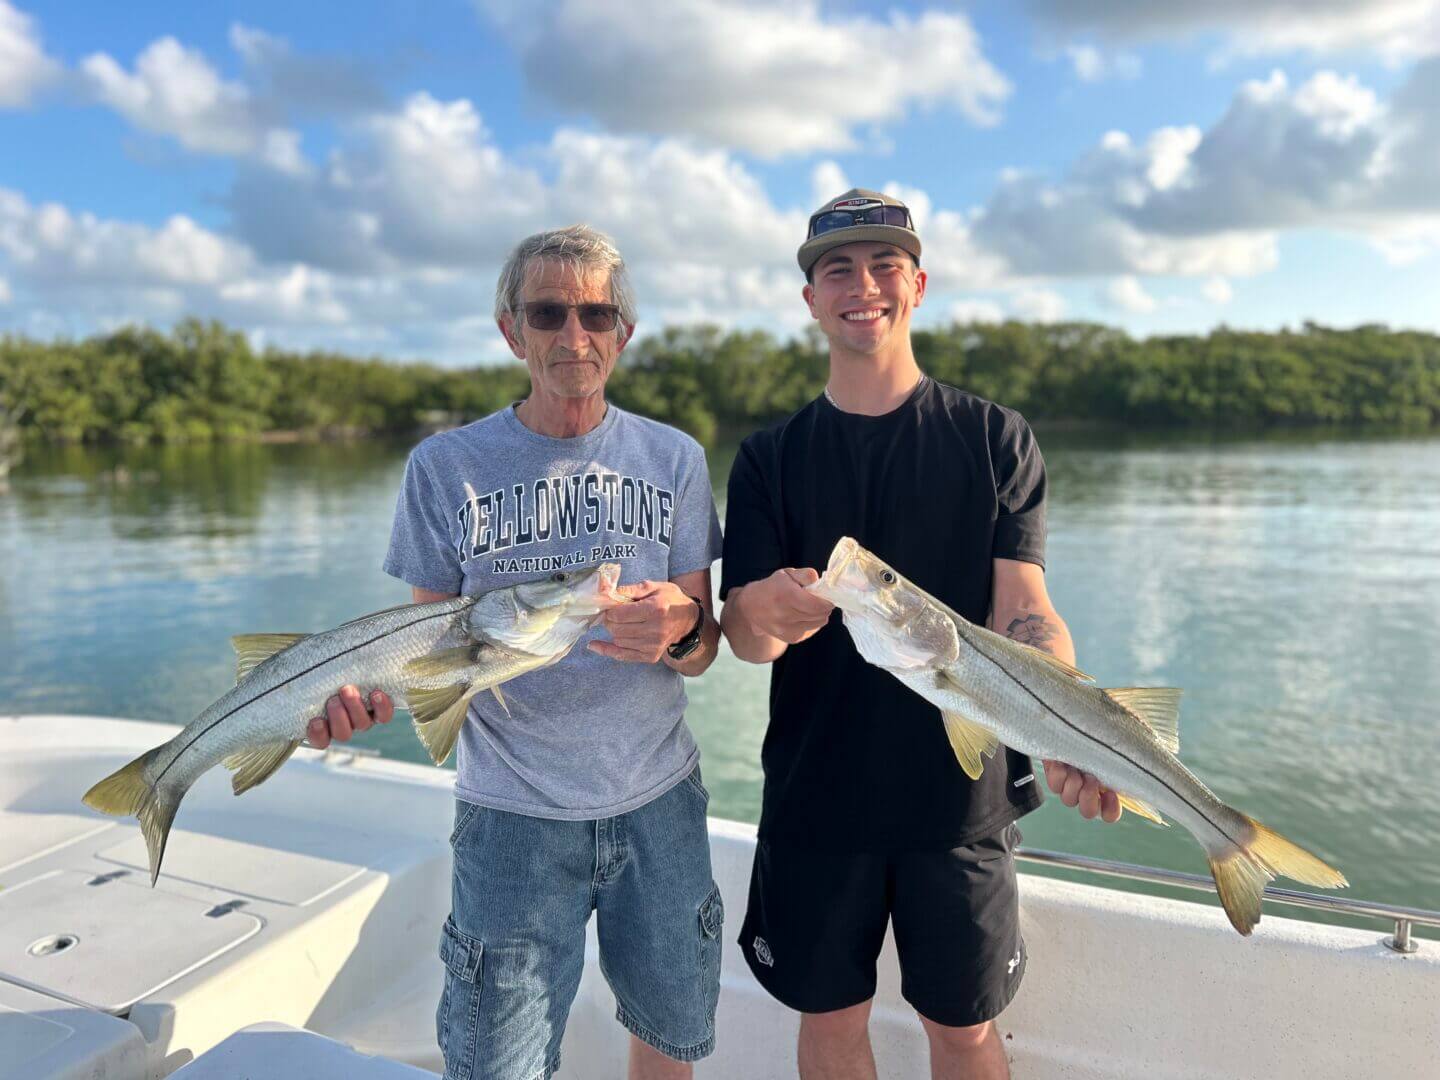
[(1404, 918)]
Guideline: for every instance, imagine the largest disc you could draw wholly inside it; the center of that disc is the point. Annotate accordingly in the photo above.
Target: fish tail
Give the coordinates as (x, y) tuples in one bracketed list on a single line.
[(127, 793), (1242, 871)]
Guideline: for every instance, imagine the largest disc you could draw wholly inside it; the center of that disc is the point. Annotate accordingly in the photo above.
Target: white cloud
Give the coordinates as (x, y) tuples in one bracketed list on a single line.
[(24, 67), (5, 294), (747, 74), (1328, 153), (1128, 295), (1393, 28), (49, 244), (1217, 290), (105, 270), (1038, 305), (827, 180), (1093, 65), (286, 82), (174, 91), (978, 311)]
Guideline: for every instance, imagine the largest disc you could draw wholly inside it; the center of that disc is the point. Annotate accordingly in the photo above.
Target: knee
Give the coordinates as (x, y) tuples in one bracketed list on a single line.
[(837, 1027), (959, 1039)]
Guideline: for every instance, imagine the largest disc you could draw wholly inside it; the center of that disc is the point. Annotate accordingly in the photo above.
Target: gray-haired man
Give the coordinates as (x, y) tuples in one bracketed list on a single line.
[(584, 794)]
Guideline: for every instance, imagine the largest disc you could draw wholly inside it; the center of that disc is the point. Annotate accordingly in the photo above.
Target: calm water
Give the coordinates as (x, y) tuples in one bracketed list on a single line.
[(1290, 586)]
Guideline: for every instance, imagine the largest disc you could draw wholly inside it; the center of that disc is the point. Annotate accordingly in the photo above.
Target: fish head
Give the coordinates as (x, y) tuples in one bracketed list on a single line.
[(546, 616), (895, 623), (586, 590)]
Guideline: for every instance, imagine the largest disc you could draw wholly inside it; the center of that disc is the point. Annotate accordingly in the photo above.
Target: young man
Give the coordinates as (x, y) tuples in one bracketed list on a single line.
[(583, 791), (867, 817)]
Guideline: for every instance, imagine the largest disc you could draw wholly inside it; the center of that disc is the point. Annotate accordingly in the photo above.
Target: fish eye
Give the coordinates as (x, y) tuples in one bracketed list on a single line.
[(887, 576), (559, 577)]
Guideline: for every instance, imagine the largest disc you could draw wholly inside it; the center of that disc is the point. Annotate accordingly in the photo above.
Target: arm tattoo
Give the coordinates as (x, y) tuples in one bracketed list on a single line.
[(1032, 630)]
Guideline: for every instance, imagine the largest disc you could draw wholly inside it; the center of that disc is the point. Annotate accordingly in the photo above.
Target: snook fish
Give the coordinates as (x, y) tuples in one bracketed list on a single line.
[(433, 658), (992, 690)]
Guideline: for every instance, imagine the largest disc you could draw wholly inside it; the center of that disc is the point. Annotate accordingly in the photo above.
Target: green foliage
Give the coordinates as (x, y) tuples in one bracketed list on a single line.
[(202, 381)]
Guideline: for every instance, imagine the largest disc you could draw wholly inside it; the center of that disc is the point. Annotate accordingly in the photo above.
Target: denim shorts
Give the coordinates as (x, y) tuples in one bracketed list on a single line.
[(514, 944)]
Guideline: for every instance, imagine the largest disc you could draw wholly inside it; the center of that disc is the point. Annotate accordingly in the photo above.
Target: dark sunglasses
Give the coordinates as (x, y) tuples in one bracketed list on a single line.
[(830, 220), (552, 315)]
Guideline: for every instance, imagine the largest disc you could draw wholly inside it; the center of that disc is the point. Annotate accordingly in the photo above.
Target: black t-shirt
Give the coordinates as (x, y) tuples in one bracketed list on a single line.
[(854, 760)]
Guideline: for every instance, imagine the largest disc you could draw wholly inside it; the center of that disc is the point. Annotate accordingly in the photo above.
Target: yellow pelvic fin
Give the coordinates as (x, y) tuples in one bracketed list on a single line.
[(439, 714), (500, 698), (126, 792), (1158, 706), (258, 764), (443, 661), (1242, 873), (1144, 809), (252, 650), (969, 741)]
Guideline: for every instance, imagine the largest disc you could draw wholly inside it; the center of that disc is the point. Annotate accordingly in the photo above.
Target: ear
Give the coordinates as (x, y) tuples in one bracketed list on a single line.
[(920, 280), (809, 294), (513, 339), (623, 335)]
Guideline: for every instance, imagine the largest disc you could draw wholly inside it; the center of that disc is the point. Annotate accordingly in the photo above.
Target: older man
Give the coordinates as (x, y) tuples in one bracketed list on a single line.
[(867, 817), (582, 792)]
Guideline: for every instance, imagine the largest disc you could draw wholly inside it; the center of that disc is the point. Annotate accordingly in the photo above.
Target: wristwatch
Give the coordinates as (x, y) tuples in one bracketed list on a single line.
[(678, 650)]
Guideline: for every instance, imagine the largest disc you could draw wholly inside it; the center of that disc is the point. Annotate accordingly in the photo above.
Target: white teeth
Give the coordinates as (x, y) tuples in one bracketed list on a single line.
[(862, 316)]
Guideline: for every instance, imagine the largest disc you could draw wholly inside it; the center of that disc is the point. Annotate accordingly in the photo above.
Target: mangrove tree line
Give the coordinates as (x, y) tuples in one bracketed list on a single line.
[(202, 381)]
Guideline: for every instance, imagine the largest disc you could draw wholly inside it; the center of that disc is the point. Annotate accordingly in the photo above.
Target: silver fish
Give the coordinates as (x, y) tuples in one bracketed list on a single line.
[(432, 658), (992, 690)]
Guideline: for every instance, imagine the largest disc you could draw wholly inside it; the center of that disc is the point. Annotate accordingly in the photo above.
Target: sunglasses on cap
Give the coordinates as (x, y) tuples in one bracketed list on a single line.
[(830, 220), (552, 315)]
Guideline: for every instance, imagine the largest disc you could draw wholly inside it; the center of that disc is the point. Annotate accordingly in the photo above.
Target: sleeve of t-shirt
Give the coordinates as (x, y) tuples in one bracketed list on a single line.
[(423, 550), (1020, 487), (695, 531), (753, 548)]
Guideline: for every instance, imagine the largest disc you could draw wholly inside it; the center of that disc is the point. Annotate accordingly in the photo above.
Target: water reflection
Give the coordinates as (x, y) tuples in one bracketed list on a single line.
[(1289, 584)]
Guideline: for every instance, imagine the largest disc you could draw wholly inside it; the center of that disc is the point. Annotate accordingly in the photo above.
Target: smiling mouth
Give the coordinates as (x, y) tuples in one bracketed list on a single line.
[(865, 316)]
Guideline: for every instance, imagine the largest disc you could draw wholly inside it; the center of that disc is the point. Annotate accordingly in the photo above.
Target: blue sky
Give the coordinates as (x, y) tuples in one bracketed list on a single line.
[(351, 176)]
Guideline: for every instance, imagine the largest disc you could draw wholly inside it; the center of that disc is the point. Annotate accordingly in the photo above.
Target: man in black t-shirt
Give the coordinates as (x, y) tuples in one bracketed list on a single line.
[(867, 817)]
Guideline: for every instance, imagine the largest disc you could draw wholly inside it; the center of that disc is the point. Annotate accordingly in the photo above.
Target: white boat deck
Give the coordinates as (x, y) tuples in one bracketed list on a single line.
[(315, 902)]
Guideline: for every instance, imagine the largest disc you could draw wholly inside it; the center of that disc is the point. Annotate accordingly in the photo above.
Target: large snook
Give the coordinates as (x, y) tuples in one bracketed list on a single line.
[(432, 658), (993, 690)]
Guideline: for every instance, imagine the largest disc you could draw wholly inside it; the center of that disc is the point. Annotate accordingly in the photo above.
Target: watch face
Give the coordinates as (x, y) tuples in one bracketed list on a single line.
[(684, 647), (691, 641)]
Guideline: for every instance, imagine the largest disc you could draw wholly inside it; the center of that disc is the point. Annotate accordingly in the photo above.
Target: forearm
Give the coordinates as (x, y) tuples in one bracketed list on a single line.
[(746, 642), (1036, 625)]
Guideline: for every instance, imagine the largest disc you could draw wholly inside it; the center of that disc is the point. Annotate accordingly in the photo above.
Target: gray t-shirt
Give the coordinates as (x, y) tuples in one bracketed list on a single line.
[(588, 737)]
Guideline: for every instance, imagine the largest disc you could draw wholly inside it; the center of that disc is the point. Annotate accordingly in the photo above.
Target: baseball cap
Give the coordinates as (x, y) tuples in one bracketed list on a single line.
[(858, 215)]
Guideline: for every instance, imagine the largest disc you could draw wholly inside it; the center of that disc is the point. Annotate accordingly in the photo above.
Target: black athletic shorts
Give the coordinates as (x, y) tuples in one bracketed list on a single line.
[(816, 924)]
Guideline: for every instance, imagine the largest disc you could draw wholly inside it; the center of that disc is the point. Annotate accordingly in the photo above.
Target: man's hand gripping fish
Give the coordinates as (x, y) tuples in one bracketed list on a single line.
[(433, 657), (992, 690)]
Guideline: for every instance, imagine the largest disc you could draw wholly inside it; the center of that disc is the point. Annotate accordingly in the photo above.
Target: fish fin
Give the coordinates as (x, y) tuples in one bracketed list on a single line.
[(126, 793), (442, 661), (1158, 706), (439, 714), (257, 764), (252, 650), (1055, 662), (969, 741), (499, 697), (985, 634), (1242, 872), (1144, 809)]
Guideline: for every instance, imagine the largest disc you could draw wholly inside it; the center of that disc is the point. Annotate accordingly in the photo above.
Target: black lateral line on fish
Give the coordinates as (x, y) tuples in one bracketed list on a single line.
[(1141, 768), (299, 674)]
